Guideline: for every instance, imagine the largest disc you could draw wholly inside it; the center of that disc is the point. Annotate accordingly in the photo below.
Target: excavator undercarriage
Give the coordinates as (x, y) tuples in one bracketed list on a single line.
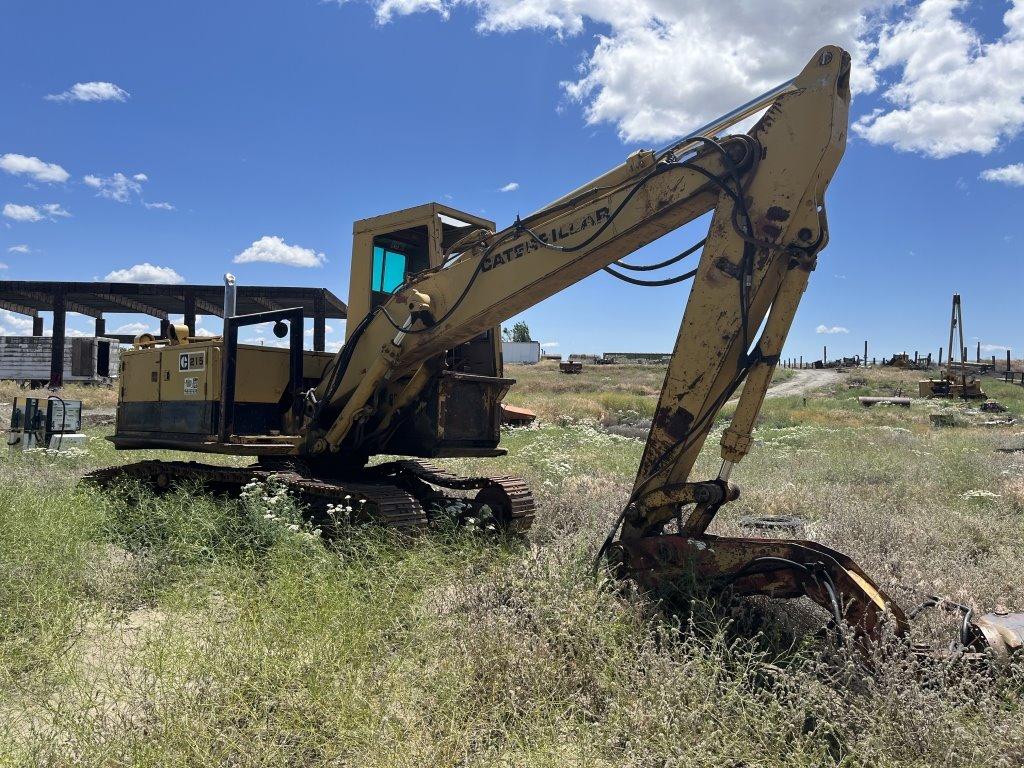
[(420, 374)]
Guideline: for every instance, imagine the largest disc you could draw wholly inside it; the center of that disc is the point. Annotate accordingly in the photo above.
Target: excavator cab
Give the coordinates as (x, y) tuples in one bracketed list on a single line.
[(461, 415)]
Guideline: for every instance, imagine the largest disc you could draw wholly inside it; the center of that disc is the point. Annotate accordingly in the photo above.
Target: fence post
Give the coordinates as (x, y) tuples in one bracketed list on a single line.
[(1007, 359), (940, 357)]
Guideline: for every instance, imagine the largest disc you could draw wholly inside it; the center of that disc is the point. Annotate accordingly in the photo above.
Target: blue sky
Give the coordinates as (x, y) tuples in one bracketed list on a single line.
[(260, 130)]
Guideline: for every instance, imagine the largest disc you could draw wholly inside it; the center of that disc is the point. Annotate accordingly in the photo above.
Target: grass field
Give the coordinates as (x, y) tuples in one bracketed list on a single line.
[(185, 630)]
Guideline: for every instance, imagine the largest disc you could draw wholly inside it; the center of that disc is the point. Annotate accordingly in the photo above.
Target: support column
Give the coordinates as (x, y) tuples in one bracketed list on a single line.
[(977, 354), (190, 312), (57, 342), (165, 329), (37, 326), (865, 353), (101, 327), (319, 322)]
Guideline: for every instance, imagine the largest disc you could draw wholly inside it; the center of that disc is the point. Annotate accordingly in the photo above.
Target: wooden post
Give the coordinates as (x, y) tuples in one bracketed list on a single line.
[(915, 357), (801, 361), (57, 342), (190, 312), (940, 357), (965, 354), (1007, 359), (101, 327), (929, 360), (824, 355), (319, 322), (37, 326), (977, 354), (865, 353), (165, 329)]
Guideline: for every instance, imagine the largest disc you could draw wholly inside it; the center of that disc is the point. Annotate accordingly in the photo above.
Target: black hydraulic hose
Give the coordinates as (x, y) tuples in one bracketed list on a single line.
[(661, 264), (651, 283)]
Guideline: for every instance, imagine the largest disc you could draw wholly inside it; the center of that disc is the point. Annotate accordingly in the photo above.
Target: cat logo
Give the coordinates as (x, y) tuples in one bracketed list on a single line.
[(191, 361)]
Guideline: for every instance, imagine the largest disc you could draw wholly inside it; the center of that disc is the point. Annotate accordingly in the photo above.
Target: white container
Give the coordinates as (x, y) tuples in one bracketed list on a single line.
[(520, 352)]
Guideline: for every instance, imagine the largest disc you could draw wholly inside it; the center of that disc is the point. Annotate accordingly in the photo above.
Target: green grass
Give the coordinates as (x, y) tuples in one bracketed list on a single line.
[(190, 630)]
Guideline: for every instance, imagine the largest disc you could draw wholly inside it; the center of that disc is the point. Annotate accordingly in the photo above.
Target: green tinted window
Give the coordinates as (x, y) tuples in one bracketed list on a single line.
[(388, 270)]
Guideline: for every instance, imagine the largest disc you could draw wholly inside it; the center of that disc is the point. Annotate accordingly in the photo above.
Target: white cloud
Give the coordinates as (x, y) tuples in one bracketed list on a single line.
[(118, 187), (145, 273), (22, 212), (1008, 174), (132, 329), (831, 329), (662, 67), (991, 348), (649, 73), (2, 265), (387, 9), (204, 332), (91, 91), (327, 330), (274, 250), (12, 324), (512, 186), (140, 177), (18, 165), (29, 213), (54, 211), (551, 344), (159, 206), (957, 93), (19, 249)]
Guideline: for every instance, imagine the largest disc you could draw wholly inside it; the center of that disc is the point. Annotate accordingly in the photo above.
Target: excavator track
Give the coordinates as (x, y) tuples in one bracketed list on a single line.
[(509, 497), (397, 494), (387, 504)]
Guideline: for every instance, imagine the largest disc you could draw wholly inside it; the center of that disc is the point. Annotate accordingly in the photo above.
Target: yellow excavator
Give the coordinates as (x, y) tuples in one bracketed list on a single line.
[(420, 373)]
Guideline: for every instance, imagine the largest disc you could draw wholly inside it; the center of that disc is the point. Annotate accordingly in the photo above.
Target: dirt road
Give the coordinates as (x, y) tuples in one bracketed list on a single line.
[(805, 381)]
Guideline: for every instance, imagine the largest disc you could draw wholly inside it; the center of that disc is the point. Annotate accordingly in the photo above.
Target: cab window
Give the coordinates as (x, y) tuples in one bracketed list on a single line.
[(388, 269)]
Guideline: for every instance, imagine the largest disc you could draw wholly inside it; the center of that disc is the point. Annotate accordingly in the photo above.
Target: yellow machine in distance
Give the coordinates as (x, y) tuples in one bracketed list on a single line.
[(958, 380)]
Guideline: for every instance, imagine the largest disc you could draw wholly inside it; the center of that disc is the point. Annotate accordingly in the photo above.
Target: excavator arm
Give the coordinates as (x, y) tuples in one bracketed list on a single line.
[(766, 189)]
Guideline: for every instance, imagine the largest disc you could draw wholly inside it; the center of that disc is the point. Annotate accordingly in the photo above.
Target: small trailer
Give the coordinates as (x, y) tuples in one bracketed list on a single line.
[(86, 359)]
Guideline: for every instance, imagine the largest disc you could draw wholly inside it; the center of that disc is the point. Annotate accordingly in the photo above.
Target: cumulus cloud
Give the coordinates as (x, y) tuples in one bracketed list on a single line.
[(145, 273), (648, 72), (118, 187), (19, 249), (54, 211), (12, 324), (957, 93), (512, 186), (274, 250), (33, 167), (30, 213), (132, 329), (22, 212), (831, 329), (947, 90), (91, 91), (1008, 174)]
